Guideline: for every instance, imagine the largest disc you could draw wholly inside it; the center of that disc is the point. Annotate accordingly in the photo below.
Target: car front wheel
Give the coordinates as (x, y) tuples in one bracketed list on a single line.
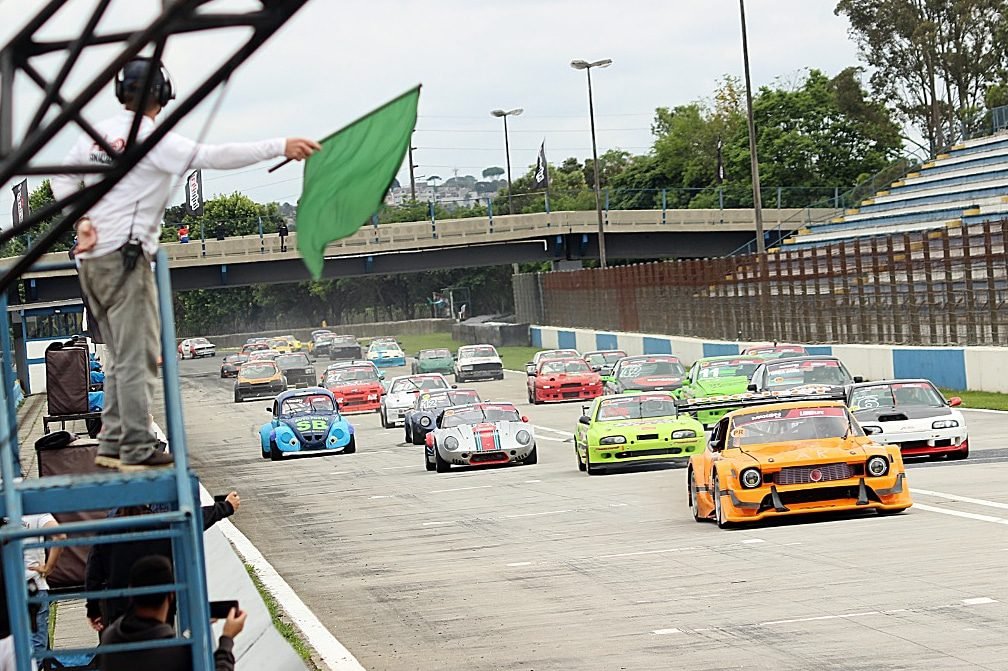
[(275, 453), (694, 507), (719, 514), (440, 465), (532, 458), (428, 464)]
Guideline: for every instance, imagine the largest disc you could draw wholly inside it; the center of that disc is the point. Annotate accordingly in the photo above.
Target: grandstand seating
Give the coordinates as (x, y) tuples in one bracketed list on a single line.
[(967, 185)]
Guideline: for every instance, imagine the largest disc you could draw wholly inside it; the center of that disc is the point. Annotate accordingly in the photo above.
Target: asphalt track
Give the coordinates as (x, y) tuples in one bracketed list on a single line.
[(542, 567)]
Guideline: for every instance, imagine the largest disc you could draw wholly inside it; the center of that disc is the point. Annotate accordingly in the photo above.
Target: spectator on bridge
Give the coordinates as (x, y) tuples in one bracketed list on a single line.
[(282, 230), (148, 619), (220, 231), (183, 233), (124, 226)]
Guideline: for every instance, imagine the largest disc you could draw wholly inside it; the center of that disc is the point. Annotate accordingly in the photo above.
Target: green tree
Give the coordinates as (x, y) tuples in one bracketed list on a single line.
[(235, 214), (492, 173)]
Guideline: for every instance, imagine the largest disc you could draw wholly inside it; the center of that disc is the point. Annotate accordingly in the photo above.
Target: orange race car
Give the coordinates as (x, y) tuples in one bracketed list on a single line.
[(769, 458)]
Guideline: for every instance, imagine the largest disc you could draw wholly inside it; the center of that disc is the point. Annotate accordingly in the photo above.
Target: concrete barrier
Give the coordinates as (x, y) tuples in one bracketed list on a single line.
[(498, 334), (974, 368)]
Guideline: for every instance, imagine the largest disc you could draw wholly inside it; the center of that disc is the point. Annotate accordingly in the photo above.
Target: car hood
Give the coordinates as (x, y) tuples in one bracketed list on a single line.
[(633, 424), (652, 382), (310, 434), (811, 452), (581, 378), (468, 361), (486, 436), (901, 413), (400, 399), (719, 386)]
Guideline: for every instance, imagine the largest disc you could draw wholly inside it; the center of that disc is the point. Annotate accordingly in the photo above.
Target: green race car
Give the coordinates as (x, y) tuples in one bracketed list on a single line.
[(635, 429), (718, 376), (433, 361)]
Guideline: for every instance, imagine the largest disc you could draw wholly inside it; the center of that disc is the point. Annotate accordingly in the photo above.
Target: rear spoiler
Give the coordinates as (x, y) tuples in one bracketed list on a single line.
[(753, 398)]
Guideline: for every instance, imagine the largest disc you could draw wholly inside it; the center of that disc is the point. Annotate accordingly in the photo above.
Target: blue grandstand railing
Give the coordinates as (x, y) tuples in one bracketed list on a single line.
[(175, 489)]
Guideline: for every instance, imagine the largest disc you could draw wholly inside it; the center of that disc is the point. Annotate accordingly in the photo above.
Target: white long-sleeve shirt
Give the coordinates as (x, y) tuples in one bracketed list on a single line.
[(137, 202)]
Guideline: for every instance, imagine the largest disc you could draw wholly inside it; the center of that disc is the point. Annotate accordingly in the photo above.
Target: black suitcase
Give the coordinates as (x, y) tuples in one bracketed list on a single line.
[(68, 379)]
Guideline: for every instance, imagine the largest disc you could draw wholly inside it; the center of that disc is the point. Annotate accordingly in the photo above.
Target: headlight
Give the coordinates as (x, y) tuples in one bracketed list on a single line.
[(683, 433), (612, 440), (425, 421), (451, 443), (944, 424), (309, 370), (523, 437), (877, 466), (872, 430), (751, 478)]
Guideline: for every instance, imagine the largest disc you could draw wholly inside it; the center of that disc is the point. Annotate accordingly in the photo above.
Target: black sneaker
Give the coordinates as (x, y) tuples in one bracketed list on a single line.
[(155, 460)]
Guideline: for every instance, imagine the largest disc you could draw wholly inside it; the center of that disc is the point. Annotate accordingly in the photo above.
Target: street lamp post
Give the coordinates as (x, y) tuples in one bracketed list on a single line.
[(753, 159), (587, 67), (504, 114)]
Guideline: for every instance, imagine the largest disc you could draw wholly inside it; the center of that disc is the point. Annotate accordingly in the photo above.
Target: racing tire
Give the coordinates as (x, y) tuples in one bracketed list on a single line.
[(275, 453), (409, 434), (718, 508), (238, 397), (589, 469), (428, 464), (384, 421), (693, 504), (581, 464), (440, 465), (534, 399), (459, 379), (351, 446), (222, 375), (418, 440), (265, 453), (532, 458)]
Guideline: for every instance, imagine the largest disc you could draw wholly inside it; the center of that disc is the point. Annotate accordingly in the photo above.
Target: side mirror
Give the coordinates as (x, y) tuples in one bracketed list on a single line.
[(858, 378), (524, 419), (751, 387), (872, 430), (955, 401), (596, 369), (454, 386), (585, 420), (269, 409), (532, 373)]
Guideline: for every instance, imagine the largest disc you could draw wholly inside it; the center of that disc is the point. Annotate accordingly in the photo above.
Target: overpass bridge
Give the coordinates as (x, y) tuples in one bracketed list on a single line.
[(449, 243)]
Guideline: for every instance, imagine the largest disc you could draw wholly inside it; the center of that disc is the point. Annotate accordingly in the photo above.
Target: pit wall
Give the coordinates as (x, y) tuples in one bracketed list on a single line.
[(974, 368)]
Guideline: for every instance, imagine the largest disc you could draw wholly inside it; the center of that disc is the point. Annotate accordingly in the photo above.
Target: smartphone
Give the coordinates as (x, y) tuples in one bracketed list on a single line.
[(220, 497), (219, 610)]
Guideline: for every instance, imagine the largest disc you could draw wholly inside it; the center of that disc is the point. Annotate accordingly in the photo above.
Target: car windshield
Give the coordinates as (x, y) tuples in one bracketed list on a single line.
[(446, 399), (650, 368), (793, 424), (258, 369), (263, 354), (418, 384), (293, 361), (790, 374), (351, 374), (604, 358), (304, 405), (473, 352), (558, 354), (727, 368), (235, 358), (777, 351), (637, 406), (477, 414), (557, 367), (435, 354), (200, 341), (896, 394)]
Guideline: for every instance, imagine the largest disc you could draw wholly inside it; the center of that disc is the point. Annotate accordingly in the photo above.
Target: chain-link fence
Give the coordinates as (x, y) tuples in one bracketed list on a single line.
[(935, 287)]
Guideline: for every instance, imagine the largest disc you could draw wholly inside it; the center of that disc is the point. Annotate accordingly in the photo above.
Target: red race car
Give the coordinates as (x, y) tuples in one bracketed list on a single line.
[(355, 388), (563, 380)]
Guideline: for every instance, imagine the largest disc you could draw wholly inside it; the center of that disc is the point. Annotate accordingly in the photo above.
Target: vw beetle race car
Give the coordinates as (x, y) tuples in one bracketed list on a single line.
[(433, 361), (557, 380), (231, 363), (305, 420), (478, 362), (912, 414), (428, 407), (771, 458), (258, 378), (651, 372), (718, 376), (384, 353), (603, 362), (402, 393), (479, 434), (632, 429), (357, 388)]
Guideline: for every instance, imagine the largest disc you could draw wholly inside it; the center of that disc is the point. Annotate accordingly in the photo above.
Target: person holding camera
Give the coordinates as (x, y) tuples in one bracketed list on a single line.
[(147, 620), (117, 240)]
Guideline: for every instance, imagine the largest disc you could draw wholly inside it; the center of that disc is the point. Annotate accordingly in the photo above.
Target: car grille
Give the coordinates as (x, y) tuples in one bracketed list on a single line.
[(649, 453), (647, 436), (485, 367), (816, 495), (571, 385), (801, 475)]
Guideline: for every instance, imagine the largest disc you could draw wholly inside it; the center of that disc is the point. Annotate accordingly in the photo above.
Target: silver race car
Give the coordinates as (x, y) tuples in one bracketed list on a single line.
[(478, 362), (480, 434), (401, 395)]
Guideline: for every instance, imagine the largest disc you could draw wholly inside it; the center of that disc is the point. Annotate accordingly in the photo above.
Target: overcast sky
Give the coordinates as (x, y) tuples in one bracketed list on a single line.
[(338, 59)]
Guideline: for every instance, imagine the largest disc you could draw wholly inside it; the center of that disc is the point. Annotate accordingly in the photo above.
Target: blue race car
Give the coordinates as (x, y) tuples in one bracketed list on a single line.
[(305, 420), (422, 418)]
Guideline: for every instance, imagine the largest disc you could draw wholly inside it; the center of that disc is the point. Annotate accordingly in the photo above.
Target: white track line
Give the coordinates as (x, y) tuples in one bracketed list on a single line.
[(332, 652), (565, 434), (963, 499), (957, 513), (459, 489)]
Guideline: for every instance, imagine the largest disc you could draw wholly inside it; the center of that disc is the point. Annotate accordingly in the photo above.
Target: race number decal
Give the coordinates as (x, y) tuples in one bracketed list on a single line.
[(303, 425)]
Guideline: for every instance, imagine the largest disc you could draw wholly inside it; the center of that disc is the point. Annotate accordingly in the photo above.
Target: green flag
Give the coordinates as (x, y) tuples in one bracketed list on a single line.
[(345, 182)]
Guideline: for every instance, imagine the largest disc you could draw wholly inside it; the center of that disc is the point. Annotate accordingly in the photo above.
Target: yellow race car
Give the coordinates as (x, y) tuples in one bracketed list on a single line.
[(769, 459), (295, 344), (281, 345), (258, 378)]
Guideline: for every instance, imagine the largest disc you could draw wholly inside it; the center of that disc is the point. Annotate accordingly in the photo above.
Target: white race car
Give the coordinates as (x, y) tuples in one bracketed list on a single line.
[(401, 395), (478, 362), (912, 414), (480, 434)]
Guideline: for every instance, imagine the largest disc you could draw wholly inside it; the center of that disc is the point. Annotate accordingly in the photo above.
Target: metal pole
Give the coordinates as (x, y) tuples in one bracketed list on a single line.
[(598, 197), (507, 158), (753, 160), (412, 179)]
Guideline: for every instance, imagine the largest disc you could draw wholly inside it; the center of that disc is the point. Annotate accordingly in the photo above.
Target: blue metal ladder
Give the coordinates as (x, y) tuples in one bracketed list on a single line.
[(174, 489)]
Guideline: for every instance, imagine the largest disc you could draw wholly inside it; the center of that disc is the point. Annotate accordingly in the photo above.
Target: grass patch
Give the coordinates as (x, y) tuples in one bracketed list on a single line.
[(290, 633), (988, 400)]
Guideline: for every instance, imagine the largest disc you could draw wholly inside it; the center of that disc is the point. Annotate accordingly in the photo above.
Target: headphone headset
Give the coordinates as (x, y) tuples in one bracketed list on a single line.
[(130, 79)]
